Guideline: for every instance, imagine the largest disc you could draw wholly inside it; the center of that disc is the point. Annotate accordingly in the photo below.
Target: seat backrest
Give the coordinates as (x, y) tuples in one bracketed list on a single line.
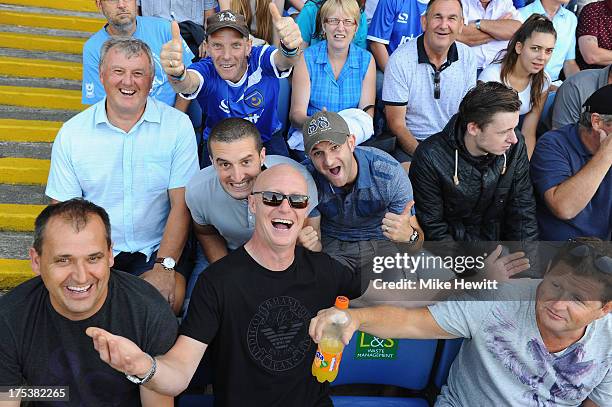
[(450, 349), (410, 368), (284, 101)]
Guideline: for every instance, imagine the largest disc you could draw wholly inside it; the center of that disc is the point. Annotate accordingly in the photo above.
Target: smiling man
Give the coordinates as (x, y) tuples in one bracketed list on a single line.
[(132, 155), (238, 80), (426, 78), (252, 307), (534, 342), (43, 321)]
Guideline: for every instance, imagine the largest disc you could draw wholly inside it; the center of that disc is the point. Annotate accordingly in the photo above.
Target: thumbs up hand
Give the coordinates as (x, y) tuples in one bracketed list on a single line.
[(171, 56), (397, 227), (287, 29)]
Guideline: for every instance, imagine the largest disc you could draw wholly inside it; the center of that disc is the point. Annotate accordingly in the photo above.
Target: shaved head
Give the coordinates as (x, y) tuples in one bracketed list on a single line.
[(279, 178)]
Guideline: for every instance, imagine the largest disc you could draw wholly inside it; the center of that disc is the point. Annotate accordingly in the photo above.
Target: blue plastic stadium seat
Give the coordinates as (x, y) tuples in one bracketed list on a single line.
[(410, 370), (450, 350), (284, 101), (196, 400)]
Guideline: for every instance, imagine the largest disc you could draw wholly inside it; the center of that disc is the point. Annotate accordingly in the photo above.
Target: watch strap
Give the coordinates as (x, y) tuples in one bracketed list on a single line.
[(148, 376)]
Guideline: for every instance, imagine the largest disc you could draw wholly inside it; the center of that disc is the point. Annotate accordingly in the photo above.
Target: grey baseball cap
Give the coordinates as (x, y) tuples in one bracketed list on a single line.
[(324, 126), (227, 19)]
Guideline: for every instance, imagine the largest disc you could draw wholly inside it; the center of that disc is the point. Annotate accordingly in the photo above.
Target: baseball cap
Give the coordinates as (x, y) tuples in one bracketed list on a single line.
[(324, 126), (600, 101), (227, 19)]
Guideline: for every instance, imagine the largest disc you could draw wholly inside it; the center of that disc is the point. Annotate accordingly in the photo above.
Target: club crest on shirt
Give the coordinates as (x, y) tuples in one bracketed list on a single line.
[(254, 99)]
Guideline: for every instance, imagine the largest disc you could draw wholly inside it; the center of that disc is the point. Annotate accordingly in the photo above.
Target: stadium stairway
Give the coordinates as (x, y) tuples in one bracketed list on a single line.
[(40, 80)]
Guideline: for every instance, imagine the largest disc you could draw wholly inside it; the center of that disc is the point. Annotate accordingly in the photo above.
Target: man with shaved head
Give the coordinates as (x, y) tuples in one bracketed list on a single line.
[(253, 308)]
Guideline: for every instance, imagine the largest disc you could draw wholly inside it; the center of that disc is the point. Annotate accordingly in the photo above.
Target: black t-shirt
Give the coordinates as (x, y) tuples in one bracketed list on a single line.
[(40, 347), (256, 323)]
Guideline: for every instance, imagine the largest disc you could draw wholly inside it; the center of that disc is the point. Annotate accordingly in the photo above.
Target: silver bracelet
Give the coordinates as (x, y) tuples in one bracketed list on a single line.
[(148, 376)]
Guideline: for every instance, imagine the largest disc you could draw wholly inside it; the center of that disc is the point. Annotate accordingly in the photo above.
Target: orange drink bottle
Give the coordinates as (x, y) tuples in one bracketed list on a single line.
[(329, 352)]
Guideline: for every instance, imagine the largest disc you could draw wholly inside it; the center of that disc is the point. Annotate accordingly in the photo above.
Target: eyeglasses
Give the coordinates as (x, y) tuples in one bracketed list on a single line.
[(603, 263), (436, 79), (296, 201), (348, 22)]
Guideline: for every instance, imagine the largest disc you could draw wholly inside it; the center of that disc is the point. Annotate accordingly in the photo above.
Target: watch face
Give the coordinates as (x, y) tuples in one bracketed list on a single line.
[(169, 263)]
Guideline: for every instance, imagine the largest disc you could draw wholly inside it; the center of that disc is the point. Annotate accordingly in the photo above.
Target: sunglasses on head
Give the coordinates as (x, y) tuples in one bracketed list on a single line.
[(270, 198), (603, 263)]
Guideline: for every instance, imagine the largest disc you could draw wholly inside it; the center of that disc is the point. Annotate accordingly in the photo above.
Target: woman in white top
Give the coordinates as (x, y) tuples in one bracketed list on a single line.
[(522, 68)]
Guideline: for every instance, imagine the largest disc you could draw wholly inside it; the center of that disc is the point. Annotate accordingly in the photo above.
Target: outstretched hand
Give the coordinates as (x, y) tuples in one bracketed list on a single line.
[(287, 29), (119, 353), (171, 56), (501, 268), (328, 316)]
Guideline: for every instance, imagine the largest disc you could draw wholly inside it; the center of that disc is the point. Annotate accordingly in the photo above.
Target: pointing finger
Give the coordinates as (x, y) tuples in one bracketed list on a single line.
[(274, 13)]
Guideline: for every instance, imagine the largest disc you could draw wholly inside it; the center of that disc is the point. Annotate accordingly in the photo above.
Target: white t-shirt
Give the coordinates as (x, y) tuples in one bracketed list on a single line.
[(492, 73)]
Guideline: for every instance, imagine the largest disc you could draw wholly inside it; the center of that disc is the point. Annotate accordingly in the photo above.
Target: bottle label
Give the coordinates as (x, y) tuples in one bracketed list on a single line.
[(328, 362)]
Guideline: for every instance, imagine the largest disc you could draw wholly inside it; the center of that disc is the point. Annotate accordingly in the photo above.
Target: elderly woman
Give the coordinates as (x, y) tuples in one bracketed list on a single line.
[(334, 74)]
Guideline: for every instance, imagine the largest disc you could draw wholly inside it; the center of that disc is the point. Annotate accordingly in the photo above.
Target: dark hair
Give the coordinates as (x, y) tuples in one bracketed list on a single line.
[(234, 129), (536, 23), (584, 265), (77, 211), (486, 99), (431, 2)]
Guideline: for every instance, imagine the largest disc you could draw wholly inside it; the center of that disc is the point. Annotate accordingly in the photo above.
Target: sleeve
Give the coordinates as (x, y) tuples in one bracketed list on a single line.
[(460, 318), (489, 74), (348, 282), (382, 23), (362, 32), (204, 69), (306, 21), (586, 22), (92, 90), (509, 8), (62, 183), (549, 166), (162, 330), (313, 195), (571, 51), (10, 371), (602, 393), (205, 308), (397, 82), (194, 201), (400, 191), (210, 4), (566, 108), (520, 220), (185, 158), (472, 69), (428, 197)]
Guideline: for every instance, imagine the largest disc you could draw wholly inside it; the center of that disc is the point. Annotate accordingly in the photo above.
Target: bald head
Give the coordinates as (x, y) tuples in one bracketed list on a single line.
[(282, 178)]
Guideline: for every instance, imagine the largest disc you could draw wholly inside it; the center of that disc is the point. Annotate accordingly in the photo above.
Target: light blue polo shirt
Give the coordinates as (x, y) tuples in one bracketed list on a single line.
[(155, 32), (565, 23), (127, 173)]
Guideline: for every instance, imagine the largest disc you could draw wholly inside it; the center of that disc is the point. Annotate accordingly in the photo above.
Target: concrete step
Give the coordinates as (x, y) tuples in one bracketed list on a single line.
[(23, 17), (28, 171), (76, 5), (40, 151), (40, 68), (33, 131), (18, 218), (45, 98), (51, 83), (27, 113), (44, 55), (23, 194), (14, 272), (50, 11), (15, 245), (41, 42), (52, 32)]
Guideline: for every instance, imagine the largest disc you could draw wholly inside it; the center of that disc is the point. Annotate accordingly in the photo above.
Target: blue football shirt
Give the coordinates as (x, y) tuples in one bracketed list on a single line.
[(396, 22), (253, 98)]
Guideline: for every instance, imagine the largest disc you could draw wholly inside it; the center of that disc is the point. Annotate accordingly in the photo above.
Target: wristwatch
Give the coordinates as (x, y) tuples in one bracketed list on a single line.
[(167, 263), (477, 24), (414, 237), (148, 376)]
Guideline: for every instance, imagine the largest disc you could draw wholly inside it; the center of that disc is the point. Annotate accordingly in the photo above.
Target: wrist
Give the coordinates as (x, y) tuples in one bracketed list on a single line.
[(289, 52), (181, 77)]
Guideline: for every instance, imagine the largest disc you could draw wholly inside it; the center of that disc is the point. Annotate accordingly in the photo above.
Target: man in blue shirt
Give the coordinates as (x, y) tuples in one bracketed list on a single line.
[(133, 156), (123, 22), (570, 169), (238, 80), (364, 194)]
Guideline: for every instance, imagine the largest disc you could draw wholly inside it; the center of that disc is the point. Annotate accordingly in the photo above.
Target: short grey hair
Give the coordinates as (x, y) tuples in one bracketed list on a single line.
[(585, 119), (129, 47)]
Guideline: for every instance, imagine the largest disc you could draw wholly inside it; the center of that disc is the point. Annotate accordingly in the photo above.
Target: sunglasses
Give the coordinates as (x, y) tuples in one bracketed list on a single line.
[(296, 201), (436, 81), (603, 263)]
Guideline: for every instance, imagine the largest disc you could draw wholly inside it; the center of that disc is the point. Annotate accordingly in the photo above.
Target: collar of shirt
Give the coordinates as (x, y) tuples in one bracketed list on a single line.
[(322, 58), (538, 8), (451, 56), (151, 114)]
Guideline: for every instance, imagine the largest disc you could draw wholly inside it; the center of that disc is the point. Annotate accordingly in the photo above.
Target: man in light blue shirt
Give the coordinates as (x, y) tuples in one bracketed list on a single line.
[(132, 155), (565, 22), (123, 22)]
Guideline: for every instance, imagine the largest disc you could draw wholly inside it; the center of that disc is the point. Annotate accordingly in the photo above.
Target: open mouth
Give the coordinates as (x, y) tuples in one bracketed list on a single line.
[(239, 185), (76, 290), (340, 36), (227, 66), (335, 171), (127, 92), (282, 224)]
